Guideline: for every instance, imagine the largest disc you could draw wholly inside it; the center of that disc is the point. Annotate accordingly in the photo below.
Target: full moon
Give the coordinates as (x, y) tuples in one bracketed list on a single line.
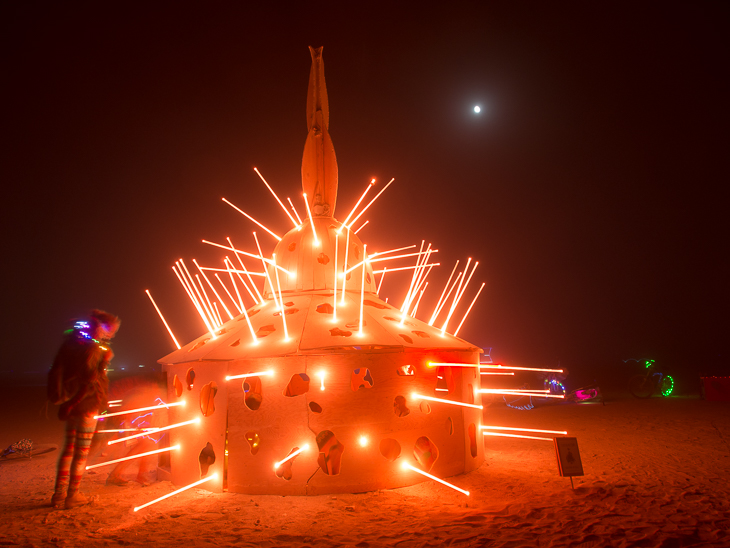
[(477, 109)]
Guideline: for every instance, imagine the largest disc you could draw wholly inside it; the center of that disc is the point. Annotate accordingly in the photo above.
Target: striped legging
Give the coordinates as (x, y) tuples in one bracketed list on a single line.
[(72, 462)]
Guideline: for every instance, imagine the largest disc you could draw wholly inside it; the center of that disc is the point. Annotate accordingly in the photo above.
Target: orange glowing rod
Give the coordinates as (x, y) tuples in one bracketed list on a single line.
[(402, 268), (413, 279), (339, 231), (118, 430), (196, 303), (371, 203), (266, 271), (469, 309), (194, 484), (311, 221), (321, 379), (294, 209), (516, 436), (334, 293), (563, 432), (256, 374), (229, 293), (190, 295), (114, 401), (283, 311), (420, 277), (344, 267), (451, 364), (362, 226), (437, 309), (511, 373), (294, 454), (231, 270), (500, 366), (163, 321), (513, 393), (362, 287), (422, 283), (150, 408), (520, 390), (442, 300), (260, 299), (381, 280), (200, 297), (230, 316), (407, 466), (252, 219), (155, 430), (459, 293), (381, 259), (211, 311), (277, 198), (107, 463), (429, 398), (418, 301)]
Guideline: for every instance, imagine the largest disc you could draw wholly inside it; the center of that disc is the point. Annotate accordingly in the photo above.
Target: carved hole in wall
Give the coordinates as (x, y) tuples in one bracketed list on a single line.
[(426, 453), (287, 311), (337, 332), (361, 378), (198, 344), (406, 371), (381, 306), (355, 253), (400, 408), (470, 394), (254, 441), (177, 386), (252, 395), (190, 378), (236, 342), (325, 308), (284, 471), (292, 246), (323, 259), (356, 325), (444, 379), (330, 453), (221, 331), (449, 426), (406, 338), (473, 440), (252, 313), (298, 385), (392, 319), (424, 407), (206, 459), (289, 303), (265, 331), (207, 398), (390, 449), (315, 407), (421, 334)]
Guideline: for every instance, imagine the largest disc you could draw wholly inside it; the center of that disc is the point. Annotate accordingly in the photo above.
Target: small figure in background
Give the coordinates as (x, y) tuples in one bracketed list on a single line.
[(79, 383)]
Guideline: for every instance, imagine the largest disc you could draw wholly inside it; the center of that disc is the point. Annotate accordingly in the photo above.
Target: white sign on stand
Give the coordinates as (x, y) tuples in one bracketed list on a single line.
[(569, 463)]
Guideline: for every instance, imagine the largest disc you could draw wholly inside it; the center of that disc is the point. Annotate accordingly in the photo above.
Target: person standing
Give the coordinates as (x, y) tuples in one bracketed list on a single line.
[(79, 383)]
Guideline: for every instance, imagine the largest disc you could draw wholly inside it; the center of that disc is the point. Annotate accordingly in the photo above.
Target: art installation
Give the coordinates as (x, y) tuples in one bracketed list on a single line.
[(314, 384)]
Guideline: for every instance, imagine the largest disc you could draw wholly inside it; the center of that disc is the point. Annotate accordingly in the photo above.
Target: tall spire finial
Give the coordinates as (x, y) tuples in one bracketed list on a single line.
[(319, 164)]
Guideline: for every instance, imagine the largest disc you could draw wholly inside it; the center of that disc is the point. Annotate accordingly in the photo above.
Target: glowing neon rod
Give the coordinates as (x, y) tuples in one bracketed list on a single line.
[(229, 293), (344, 276), (407, 466), (362, 287), (256, 374), (194, 484), (218, 313), (107, 463), (517, 390), (371, 260), (508, 393), (266, 271), (163, 321), (260, 299), (459, 293), (402, 268), (237, 251), (418, 301), (211, 311), (334, 293), (437, 309), (413, 279), (231, 269), (277, 198), (190, 295), (429, 398), (311, 221), (211, 320), (362, 226), (294, 454), (450, 364), (230, 316), (155, 430), (379, 253), (321, 379), (516, 436), (294, 209), (563, 432), (151, 408), (422, 283), (252, 219), (469, 309), (243, 308), (115, 401), (487, 373), (420, 277), (381, 281), (196, 302), (371, 203), (357, 204), (500, 366), (283, 311), (443, 302), (114, 404), (118, 430)]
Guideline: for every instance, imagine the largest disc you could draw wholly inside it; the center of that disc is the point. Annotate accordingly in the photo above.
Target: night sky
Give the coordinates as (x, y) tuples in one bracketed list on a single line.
[(591, 188)]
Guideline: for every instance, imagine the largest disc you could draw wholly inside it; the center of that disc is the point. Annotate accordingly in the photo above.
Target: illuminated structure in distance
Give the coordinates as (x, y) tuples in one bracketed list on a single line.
[(316, 358)]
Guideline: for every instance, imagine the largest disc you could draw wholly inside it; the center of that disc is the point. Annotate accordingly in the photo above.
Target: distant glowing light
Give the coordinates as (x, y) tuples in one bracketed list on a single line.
[(256, 374), (500, 366), (563, 432), (515, 436), (407, 466), (194, 484), (294, 454), (150, 408), (416, 396), (477, 109), (140, 455), (311, 221), (363, 441), (163, 321), (155, 430)]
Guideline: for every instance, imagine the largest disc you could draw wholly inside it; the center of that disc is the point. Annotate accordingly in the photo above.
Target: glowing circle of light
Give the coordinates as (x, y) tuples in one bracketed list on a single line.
[(477, 109), (363, 441)]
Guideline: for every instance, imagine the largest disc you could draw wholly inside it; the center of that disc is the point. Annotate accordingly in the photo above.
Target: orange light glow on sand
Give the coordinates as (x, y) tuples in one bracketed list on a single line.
[(294, 454), (194, 484), (563, 432), (256, 374), (155, 430), (415, 396), (407, 466), (150, 408), (140, 455), (163, 321)]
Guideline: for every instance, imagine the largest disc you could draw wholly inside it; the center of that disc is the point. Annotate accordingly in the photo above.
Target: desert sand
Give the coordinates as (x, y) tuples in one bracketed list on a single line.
[(656, 474)]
